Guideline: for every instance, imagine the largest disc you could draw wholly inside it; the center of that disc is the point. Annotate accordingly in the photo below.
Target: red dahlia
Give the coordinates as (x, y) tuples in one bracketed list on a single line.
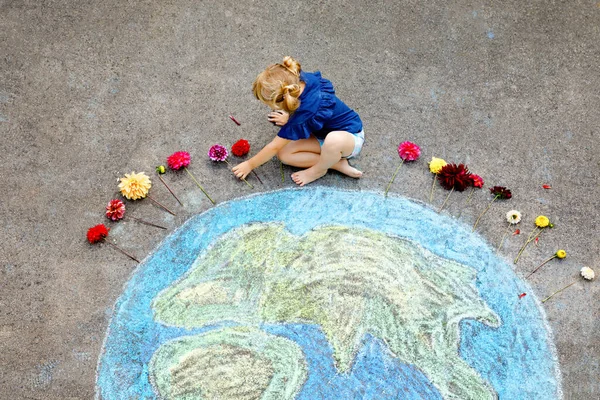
[(178, 160), (97, 233), (456, 177), (240, 148)]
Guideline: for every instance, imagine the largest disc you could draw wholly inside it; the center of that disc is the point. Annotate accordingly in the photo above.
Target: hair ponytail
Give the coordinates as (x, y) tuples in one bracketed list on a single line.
[(291, 65), (290, 97), (279, 85)]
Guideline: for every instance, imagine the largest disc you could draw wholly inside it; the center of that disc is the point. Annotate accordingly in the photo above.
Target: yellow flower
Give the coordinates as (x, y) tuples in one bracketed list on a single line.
[(135, 186), (561, 254), (542, 221), (436, 164)]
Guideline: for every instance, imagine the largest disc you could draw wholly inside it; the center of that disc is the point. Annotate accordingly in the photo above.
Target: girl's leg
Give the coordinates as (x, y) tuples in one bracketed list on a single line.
[(337, 144), (303, 153)]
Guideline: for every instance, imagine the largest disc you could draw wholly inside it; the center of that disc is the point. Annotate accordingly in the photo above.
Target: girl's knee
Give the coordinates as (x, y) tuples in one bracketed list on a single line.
[(338, 139), (283, 156)]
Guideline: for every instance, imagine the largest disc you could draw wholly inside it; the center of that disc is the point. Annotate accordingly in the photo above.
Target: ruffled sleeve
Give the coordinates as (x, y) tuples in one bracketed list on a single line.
[(316, 108)]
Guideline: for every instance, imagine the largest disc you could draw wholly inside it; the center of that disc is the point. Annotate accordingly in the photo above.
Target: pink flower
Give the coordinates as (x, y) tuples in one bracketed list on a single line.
[(218, 153), (178, 160), (409, 151), (477, 181), (115, 210)]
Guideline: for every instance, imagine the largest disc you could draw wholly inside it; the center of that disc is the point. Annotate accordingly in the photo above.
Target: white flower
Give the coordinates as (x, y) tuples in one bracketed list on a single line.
[(588, 273), (513, 217)]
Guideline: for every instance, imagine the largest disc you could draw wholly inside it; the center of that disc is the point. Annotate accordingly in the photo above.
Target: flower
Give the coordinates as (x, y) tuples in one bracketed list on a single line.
[(436, 164), (456, 177), (542, 221), (178, 160), (160, 169), (588, 273), (559, 254), (97, 233), (513, 217), (409, 151), (115, 210), (135, 186), (240, 148), (218, 153), (477, 181), (501, 192)]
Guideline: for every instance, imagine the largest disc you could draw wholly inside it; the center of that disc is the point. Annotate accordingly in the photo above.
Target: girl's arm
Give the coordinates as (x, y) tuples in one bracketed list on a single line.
[(242, 170)]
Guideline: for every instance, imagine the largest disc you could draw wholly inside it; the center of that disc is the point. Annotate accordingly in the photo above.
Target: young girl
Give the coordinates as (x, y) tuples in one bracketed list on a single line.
[(318, 131)]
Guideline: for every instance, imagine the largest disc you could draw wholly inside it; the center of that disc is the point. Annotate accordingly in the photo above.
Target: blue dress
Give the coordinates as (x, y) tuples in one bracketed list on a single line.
[(320, 111)]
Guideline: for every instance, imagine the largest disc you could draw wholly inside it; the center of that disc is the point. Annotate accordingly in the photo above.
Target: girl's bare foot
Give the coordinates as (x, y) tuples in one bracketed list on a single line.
[(345, 168), (311, 174), (307, 176)]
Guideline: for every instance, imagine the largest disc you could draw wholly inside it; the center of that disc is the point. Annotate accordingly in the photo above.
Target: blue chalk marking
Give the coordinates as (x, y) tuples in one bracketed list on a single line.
[(518, 358), (490, 34)]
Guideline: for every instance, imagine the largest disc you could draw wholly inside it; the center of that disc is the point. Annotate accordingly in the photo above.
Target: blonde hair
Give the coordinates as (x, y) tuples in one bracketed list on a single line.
[(279, 85)]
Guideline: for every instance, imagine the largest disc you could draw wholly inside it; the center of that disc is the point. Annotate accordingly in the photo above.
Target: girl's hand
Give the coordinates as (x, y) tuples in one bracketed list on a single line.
[(279, 117), (242, 170)]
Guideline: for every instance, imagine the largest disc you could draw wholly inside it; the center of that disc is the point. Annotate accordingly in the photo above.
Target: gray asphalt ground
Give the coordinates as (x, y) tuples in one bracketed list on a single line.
[(91, 90)]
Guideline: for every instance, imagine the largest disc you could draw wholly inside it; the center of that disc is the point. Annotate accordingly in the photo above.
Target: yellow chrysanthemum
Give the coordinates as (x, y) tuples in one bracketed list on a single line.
[(436, 164), (542, 221), (561, 254), (135, 186)]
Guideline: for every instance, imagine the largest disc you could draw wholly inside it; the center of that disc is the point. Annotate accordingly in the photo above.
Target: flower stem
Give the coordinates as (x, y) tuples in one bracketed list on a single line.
[(540, 266), (432, 187), (503, 238), (470, 195), (257, 177), (157, 203), (200, 186), (122, 251), (531, 237), (393, 177), (558, 291), (146, 222), (445, 201), (484, 211), (244, 179), (281, 169), (167, 186)]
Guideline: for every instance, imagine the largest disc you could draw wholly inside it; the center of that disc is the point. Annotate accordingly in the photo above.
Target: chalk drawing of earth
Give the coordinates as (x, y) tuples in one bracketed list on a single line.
[(326, 294)]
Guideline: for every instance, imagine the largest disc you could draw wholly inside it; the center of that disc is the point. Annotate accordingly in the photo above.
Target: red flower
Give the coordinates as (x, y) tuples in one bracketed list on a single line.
[(97, 233), (178, 160), (456, 177), (477, 181), (240, 148), (501, 192), (409, 151), (115, 210)]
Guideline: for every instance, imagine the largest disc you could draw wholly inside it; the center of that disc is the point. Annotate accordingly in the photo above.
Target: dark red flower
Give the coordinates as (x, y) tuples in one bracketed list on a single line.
[(97, 233), (115, 210), (178, 160), (240, 148), (501, 192), (477, 181), (456, 177)]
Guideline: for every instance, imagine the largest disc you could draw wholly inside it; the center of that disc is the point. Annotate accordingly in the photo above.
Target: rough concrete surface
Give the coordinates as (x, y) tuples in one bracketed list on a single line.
[(91, 90)]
